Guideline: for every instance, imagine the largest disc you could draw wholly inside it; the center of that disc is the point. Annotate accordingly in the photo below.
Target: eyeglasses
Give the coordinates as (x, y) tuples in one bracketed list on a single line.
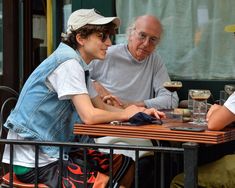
[(142, 36), (104, 36)]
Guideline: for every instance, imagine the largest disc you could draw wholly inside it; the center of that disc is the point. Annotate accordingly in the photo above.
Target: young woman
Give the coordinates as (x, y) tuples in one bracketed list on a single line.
[(59, 93)]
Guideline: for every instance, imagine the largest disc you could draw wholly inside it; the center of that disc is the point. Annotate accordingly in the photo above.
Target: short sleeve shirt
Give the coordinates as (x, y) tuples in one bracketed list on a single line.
[(230, 103), (69, 79)]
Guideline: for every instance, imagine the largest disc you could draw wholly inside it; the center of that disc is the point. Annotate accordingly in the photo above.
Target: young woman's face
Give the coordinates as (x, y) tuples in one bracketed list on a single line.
[(95, 47)]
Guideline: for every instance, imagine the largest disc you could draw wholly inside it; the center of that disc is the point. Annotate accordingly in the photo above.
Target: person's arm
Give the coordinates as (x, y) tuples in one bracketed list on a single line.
[(219, 117), (92, 115), (106, 96), (97, 102), (112, 100), (162, 99), (140, 104)]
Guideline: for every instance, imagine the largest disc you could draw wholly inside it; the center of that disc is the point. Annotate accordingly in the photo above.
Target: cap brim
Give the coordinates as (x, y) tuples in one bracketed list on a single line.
[(229, 28), (102, 21)]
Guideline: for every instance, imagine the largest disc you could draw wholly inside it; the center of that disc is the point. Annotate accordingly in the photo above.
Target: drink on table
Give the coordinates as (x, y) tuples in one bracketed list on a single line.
[(229, 89), (172, 86), (199, 97)]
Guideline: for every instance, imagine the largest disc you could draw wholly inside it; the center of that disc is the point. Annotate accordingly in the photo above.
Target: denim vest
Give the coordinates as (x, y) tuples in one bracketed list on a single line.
[(38, 114)]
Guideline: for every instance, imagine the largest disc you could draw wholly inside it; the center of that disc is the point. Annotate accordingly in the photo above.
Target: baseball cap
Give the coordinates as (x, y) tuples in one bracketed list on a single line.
[(81, 17), (229, 28)]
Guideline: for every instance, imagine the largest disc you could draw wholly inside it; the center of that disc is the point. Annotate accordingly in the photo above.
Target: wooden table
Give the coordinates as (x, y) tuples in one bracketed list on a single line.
[(158, 132), (163, 132)]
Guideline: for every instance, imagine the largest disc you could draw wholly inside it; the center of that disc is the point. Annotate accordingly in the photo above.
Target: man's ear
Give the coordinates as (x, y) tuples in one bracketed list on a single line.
[(80, 40)]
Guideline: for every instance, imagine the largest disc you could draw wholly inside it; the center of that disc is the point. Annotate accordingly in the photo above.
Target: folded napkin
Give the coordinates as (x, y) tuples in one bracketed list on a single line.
[(143, 119)]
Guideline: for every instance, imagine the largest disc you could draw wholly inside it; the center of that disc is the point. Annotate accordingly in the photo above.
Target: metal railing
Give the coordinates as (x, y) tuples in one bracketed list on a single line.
[(159, 151)]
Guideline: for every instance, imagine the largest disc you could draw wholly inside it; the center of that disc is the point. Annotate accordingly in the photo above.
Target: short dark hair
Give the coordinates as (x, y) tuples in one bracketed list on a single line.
[(86, 31)]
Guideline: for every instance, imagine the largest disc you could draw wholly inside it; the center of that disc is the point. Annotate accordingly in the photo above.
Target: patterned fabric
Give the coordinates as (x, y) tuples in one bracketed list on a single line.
[(97, 171)]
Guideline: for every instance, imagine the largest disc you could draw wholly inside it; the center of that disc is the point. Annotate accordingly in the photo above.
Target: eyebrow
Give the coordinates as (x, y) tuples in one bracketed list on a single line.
[(152, 36)]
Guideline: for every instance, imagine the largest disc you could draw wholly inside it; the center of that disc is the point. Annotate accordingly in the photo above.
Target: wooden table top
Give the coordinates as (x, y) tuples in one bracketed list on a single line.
[(158, 132)]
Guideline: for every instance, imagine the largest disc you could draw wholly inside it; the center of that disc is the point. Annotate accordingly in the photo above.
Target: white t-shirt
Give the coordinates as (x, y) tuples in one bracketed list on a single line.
[(67, 80), (230, 103)]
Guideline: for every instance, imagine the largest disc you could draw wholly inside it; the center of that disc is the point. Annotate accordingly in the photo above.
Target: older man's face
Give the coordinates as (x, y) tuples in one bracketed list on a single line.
[(144, 37)]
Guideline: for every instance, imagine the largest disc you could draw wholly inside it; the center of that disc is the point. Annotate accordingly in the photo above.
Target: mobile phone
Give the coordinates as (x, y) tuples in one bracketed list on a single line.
[(193, 129)]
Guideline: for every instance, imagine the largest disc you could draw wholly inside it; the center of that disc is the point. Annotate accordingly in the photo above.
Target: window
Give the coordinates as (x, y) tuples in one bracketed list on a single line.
[(67, 10), (194, 44)]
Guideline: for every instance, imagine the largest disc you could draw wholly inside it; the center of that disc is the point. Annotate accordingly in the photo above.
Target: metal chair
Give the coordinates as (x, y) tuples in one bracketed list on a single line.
[(7, 104)]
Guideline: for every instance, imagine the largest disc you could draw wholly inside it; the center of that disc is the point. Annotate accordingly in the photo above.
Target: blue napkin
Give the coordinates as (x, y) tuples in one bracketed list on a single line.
[(143, 119)]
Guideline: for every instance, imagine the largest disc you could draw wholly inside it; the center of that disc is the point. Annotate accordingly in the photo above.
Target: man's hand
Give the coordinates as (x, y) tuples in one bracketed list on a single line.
[(106, 96), (100, 89), (154, 112), (113, 101)]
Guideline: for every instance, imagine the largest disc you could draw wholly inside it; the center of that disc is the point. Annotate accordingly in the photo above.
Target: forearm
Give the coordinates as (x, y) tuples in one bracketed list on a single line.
[(103, 116), (163, 101), (139, 104), (219, 118), (113, 108)]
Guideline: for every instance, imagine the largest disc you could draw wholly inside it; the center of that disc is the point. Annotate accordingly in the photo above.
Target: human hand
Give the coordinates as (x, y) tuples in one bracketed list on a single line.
[(154, 112), (106, 96), (113, 101), (132, 110), (101, 90)]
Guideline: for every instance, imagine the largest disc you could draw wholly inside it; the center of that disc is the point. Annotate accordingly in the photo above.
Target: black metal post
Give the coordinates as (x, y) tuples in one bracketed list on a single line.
[(190, 165)]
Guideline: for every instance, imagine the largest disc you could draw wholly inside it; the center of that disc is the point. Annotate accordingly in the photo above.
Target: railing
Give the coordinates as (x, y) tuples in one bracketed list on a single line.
[(159, 151)]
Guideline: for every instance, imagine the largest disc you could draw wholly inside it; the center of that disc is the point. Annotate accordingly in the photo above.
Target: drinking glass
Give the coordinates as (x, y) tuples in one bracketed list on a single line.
[(172, 86), (199, 97), (190, 103), (223, 96), (229, 89)]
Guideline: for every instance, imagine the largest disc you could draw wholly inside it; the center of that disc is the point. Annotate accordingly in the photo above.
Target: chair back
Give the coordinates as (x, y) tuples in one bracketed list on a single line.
[(8, 99)]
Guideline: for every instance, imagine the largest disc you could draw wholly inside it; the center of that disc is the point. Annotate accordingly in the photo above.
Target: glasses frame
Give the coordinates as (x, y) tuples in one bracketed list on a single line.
[(104, 36), (142, 37)]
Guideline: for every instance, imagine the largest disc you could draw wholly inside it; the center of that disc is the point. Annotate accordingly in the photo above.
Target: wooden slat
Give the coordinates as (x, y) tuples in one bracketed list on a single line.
[(158, 132)]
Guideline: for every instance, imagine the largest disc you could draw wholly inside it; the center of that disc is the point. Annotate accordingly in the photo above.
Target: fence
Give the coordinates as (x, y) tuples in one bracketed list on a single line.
[(159, 157)]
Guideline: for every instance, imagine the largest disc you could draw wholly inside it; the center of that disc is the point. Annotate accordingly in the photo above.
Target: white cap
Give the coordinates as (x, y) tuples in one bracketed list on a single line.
[(82, 17)]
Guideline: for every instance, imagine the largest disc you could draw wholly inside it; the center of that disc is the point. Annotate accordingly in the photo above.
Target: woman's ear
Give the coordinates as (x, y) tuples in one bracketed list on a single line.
[(79, 40)]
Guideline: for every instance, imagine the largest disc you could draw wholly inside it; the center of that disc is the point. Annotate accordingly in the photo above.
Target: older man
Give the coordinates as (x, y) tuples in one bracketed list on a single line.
[(133, 72)]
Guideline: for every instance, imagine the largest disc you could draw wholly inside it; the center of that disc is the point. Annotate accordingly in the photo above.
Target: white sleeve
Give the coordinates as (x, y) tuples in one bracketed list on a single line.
[(230, 103), (68, 79)]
